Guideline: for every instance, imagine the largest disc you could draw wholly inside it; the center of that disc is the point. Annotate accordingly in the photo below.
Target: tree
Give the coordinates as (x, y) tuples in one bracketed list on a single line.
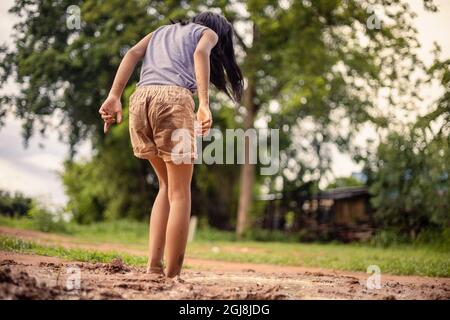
[(410, 170), (14, 205), (111, 185), (316, 61), (436, 122), (309, 57), (68, 72), (411, 182)]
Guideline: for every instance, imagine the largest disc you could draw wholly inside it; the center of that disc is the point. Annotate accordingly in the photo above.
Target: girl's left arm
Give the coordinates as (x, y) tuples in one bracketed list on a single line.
[(111, 109)]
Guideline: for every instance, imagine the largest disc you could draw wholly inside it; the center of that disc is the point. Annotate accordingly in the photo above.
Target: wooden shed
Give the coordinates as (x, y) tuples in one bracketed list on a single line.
[(342, 213), (348, 206)]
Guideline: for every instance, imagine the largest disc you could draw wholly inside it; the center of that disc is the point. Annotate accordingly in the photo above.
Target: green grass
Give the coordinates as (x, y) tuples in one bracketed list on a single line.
[(23, 246), (119, 232), (402, 259), (21, 223)]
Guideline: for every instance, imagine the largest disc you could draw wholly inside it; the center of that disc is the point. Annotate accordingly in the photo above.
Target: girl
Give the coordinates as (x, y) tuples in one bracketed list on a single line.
[(179, 60)]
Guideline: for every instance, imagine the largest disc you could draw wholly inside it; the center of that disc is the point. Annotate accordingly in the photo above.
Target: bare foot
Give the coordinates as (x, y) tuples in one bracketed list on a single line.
[(177, 279), (155, 270)]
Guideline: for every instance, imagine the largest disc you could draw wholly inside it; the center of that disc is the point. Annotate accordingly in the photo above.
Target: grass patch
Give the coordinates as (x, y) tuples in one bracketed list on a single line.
[(120, 231), (402, 260), (23, 246), (21, 223)]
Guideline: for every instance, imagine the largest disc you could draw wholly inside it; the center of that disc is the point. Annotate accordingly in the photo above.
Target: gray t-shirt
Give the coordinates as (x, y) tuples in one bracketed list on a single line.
[(169, 59)]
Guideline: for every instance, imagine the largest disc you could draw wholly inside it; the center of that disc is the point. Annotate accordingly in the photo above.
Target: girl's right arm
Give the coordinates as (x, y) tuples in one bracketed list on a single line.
[(111, 109)]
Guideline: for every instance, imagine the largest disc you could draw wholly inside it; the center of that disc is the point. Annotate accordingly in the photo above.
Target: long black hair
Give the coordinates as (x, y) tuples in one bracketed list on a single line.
[(225, 72)]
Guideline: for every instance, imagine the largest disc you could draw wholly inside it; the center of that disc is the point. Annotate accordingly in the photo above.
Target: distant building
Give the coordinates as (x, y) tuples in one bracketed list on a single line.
[(348, 205), (343, 213)]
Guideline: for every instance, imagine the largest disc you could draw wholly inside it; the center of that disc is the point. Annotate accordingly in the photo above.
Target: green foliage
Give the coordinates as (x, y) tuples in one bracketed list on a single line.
[(20, 223), (18, 245), (306, 56), (14, 205), (344, 182), (69, 70), (117, 231), (316, 67), (208, 234), (83, 196), (411, 182), (404, 260), (400, 259), (428, 255), (437, 121), (46, 221), (111, 185), (438, 240)]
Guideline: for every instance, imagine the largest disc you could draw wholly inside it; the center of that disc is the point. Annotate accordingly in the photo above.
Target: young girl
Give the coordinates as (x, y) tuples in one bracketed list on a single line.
[(179, 60)]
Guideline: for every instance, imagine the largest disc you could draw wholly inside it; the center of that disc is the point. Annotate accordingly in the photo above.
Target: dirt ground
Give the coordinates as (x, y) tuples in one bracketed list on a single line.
[(24, 276)]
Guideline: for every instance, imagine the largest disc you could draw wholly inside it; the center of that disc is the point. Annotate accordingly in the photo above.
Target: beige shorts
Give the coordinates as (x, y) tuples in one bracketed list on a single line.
[(161, 123)]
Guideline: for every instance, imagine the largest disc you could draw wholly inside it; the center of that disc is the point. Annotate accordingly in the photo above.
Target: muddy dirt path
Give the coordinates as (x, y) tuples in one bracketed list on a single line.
[(24, 276)]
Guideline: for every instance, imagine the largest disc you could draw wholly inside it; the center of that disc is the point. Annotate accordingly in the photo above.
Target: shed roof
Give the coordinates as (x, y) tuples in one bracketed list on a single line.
[(343, 193)]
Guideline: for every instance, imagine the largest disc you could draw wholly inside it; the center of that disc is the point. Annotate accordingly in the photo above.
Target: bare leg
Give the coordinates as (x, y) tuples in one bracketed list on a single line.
[(179, 180), (158, 219)]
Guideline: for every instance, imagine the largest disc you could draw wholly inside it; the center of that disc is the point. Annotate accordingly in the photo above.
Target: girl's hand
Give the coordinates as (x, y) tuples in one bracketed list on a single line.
[(111, 112), (204, 120)]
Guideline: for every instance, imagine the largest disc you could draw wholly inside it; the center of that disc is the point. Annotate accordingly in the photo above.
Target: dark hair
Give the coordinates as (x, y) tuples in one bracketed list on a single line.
[(225, 72)]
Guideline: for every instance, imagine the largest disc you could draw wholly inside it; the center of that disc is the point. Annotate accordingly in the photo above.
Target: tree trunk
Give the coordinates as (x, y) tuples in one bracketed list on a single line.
[(247, 169)]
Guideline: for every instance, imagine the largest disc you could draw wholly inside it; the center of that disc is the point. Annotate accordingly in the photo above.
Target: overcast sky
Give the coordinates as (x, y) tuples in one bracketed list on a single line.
[(33, 170)]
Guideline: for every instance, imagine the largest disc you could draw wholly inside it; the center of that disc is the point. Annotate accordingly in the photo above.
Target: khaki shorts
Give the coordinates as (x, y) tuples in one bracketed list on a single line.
[(161, 123)]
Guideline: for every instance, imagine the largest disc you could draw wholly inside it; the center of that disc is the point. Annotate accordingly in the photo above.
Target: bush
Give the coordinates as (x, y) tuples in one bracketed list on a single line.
[(16, 205), (46, 221), (410, 184), (386, 238), (438, 239)]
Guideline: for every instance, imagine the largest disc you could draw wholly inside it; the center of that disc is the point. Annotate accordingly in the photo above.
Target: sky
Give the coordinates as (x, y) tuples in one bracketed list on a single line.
[(34, 170)]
